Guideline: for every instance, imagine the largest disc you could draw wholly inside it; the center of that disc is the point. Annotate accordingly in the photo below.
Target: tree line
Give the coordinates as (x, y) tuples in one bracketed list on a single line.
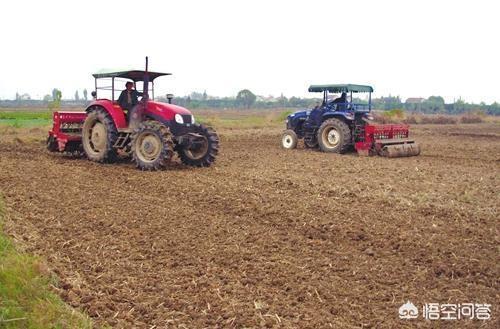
[(434, 105), (246, 99)]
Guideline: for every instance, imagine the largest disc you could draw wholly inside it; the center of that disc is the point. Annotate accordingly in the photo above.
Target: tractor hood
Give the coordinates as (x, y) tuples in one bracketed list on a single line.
[(298, 114), (165, 107), (165, 111)]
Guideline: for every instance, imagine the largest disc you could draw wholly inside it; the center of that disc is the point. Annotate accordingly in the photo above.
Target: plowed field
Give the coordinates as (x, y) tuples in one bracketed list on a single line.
[(266, 237)]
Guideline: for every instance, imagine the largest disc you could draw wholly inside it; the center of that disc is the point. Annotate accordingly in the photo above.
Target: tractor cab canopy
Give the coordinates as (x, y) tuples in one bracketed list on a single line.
[(129, 75), (347, 89), (134, 75), (340, 88)]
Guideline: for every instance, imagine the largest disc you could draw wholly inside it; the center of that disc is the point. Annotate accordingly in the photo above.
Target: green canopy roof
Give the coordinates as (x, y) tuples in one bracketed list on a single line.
[(340, 88), (134, 75)]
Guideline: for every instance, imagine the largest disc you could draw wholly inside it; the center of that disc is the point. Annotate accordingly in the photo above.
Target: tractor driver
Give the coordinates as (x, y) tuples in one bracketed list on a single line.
[(129, 97), (341, 101)]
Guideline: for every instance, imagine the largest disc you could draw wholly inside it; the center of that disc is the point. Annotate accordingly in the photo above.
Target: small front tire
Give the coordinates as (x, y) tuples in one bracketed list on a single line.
[(289, 139), (202, 151)]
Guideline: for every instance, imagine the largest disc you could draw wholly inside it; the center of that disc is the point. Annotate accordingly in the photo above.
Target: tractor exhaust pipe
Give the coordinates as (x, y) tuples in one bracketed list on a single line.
[(146, 81)]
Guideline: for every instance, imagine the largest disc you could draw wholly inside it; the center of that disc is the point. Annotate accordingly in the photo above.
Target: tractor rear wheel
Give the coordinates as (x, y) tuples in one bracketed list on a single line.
[(289, 139), (152, 146), (99, 134), (334, 136), (202, 151)]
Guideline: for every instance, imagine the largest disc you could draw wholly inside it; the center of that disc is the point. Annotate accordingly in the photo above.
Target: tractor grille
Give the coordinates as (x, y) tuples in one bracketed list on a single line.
[(186, 118)]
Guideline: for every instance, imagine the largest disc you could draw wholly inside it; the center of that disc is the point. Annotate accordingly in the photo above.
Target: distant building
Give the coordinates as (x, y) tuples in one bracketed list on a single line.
[(414, 103), (414, 100)]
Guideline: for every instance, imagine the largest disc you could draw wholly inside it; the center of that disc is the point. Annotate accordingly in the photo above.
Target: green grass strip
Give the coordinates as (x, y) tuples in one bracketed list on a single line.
[(26, 300)]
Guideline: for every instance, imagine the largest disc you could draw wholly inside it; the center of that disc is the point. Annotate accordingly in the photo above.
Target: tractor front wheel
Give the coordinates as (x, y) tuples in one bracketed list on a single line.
[(99, 134), (203, 148), (152, 146), (334, 136), (289, 139)]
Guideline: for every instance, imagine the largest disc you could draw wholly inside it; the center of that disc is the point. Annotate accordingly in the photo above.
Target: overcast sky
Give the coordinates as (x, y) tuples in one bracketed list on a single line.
[(407, 48)]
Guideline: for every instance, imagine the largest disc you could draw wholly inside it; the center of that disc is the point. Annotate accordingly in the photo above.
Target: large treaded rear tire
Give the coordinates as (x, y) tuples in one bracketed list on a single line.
[(334, 136), (151, 146), (99, 148), (205, 155)]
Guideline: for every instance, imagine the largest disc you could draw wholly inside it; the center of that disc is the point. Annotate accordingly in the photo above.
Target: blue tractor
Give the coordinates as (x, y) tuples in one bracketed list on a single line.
[(332, 124), (342, 124)]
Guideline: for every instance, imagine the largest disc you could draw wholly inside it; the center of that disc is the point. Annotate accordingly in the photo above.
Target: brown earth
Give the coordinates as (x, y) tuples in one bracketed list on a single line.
[(267, 237)]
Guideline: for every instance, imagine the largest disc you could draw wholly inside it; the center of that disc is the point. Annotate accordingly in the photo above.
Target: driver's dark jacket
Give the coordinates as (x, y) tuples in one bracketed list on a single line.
[(123, 99), (316, 114)]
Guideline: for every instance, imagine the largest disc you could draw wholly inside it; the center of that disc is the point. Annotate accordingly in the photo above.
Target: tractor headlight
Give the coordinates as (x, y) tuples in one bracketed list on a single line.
[(178, 119)]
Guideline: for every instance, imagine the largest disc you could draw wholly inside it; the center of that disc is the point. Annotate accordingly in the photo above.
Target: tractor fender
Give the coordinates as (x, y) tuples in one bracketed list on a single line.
[(342, 116), (114, 110), (159, 118)]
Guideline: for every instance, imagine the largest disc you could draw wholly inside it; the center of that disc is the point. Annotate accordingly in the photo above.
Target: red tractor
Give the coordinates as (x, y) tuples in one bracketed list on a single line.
[(150, 132)]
